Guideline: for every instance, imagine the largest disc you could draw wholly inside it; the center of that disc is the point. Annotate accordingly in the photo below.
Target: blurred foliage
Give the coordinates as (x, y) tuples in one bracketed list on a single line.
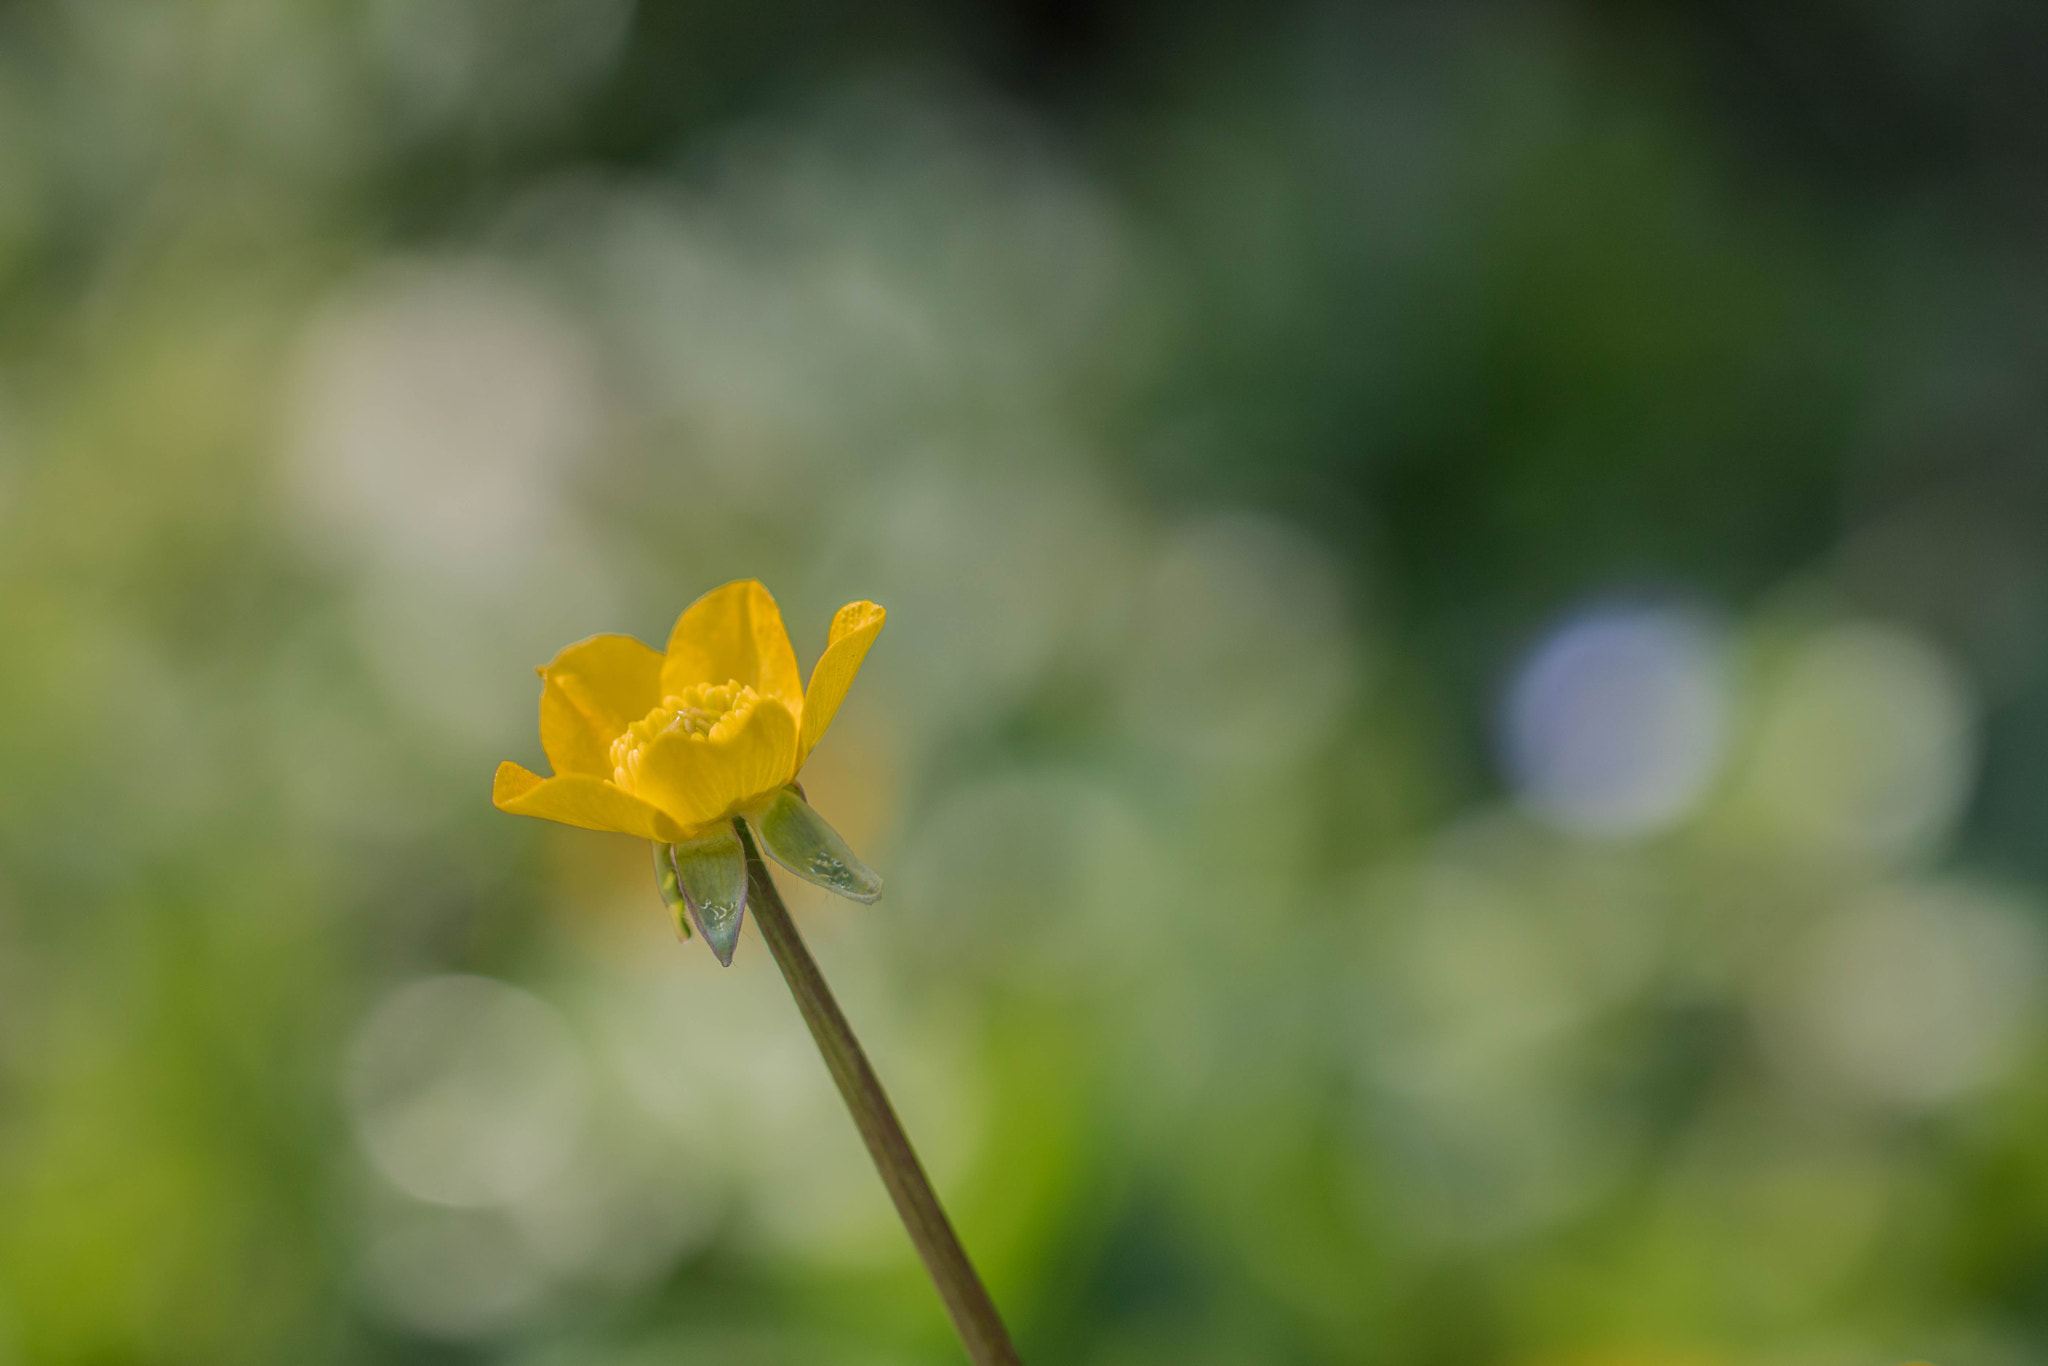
[(1459, 753)]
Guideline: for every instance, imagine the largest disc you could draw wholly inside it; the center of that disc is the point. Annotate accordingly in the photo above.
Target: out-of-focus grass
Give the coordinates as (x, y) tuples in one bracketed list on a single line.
[(1455, 752)]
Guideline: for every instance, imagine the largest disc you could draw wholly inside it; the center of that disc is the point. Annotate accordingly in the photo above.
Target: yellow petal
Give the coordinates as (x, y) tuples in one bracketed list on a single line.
[(854, 628), (700, 780), (734, 634), (589, 694), (577, 799)]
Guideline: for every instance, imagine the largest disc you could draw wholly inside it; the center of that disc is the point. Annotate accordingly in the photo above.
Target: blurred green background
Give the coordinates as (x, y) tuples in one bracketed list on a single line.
[(1461, 750)]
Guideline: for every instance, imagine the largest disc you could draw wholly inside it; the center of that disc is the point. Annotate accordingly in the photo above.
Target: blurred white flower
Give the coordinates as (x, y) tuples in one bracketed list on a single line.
[(1916, 995), (437, 411), (1866, 743), (465, 1091), (622, 1210)]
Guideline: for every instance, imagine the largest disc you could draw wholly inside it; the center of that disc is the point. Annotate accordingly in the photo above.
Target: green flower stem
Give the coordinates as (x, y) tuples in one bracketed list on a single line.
[(974, 1314)]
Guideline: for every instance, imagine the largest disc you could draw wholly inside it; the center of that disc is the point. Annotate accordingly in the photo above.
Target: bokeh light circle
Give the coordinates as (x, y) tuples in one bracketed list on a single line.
[(465, 1091), (1867, 743), (1618, 720), (1917, 995)]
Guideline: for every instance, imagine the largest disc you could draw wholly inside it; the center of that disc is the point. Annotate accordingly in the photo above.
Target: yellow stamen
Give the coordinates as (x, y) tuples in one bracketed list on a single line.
[(700, 712)]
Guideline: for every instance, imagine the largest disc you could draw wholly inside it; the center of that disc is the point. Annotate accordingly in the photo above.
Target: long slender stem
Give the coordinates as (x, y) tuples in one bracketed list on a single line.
[(967, 1301)]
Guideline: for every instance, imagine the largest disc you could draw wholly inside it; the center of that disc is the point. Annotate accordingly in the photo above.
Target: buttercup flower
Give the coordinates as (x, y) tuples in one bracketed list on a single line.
[(679, 748), (698, 750)]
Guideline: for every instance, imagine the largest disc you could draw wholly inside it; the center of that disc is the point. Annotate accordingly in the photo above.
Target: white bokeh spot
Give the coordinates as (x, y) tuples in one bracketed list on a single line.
[(1618, 721), (465, 1091)]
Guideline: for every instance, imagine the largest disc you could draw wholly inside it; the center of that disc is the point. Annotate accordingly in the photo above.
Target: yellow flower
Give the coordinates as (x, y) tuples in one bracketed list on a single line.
[(678, 747)]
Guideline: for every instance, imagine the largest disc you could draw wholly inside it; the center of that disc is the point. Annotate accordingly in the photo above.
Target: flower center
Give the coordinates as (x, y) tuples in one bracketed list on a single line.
[(700, 712)]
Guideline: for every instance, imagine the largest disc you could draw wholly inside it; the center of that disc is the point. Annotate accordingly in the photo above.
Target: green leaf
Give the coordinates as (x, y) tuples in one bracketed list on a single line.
[(797, 837), (671, 890), (712, 873)]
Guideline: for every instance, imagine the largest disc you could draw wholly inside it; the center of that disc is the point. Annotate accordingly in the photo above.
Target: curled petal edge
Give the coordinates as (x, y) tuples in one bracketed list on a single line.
[(854, 628)]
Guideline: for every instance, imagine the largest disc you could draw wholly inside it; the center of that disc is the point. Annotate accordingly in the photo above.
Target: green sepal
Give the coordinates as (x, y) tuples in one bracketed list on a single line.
[(798, 838), (670, 889), (712, 875)]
